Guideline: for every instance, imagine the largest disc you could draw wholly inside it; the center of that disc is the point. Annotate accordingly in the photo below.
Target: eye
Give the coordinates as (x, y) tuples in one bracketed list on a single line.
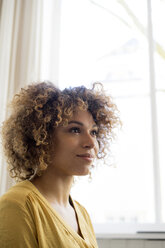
[(94, 132), (74, 130)]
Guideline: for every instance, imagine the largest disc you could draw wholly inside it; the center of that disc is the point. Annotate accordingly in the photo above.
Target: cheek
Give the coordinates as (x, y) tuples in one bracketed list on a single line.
[(66, 146)]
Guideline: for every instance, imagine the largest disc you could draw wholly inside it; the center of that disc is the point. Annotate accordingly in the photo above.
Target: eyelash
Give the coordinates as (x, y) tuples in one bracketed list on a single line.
[(96, 132), (73, 129)]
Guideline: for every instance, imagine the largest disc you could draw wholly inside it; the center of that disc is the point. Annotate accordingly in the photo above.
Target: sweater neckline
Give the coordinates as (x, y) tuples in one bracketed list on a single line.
[(64, 223)]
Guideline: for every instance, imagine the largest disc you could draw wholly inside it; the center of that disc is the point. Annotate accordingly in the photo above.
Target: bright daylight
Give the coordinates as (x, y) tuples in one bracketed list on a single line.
[(68, 44)]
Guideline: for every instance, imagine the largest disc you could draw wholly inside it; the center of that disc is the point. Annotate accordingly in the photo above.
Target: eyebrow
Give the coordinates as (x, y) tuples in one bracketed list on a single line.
[(79, 123)]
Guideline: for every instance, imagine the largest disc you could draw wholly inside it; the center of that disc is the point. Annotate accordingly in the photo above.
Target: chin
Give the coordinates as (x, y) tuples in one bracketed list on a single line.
[(83, 173)]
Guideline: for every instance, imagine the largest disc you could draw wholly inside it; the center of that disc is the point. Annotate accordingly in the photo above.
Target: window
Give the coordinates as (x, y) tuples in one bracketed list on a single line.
[(120, 44)]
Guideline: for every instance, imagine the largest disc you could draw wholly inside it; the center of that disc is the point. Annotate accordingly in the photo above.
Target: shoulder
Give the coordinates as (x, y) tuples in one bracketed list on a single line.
[(17, 226), (15, 207), (82, 209), (83, 215), (16, 196), (80, 206)]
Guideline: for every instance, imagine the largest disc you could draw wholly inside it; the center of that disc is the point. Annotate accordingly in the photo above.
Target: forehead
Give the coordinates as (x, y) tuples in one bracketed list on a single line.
[(83, 116)]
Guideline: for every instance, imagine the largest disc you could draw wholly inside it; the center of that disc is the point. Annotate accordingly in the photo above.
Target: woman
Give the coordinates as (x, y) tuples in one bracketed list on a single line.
[(50, 137)]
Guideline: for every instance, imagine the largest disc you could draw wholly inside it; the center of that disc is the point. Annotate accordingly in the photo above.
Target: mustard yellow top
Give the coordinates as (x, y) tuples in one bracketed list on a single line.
[(27, 220)]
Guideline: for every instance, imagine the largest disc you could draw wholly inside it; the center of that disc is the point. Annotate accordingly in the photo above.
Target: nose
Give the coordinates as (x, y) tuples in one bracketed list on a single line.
[(88, 142)]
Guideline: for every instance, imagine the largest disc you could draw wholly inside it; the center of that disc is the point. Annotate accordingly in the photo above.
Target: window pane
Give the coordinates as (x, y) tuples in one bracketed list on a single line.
[(124, 193), (107, 41), (158, 17), (104, 42)]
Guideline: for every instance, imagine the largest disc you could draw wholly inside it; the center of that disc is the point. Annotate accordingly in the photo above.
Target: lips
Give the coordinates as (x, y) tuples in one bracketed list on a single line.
[(86, 156)]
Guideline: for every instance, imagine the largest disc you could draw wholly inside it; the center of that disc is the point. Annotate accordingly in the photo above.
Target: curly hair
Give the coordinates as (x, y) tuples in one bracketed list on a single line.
[(37, 110)]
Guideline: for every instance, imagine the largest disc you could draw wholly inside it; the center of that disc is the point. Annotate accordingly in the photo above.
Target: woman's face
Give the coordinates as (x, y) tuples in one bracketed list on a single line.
[(75, 146)]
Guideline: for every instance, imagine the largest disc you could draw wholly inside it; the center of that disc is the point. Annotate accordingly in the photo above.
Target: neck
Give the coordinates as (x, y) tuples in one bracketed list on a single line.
[(54, 188)]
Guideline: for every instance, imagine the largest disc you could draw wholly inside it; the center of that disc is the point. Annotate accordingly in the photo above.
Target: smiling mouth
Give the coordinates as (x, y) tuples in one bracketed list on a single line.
[(88, 158)]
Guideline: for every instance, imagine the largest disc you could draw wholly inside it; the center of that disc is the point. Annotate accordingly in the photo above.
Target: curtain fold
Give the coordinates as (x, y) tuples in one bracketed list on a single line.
[(20, 51)]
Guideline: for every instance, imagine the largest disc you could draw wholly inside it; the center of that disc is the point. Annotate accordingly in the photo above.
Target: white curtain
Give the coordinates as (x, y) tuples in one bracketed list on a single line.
[(22, 52)]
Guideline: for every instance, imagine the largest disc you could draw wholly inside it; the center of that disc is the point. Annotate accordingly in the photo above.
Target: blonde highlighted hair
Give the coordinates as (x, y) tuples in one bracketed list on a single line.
[(37, 110)]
